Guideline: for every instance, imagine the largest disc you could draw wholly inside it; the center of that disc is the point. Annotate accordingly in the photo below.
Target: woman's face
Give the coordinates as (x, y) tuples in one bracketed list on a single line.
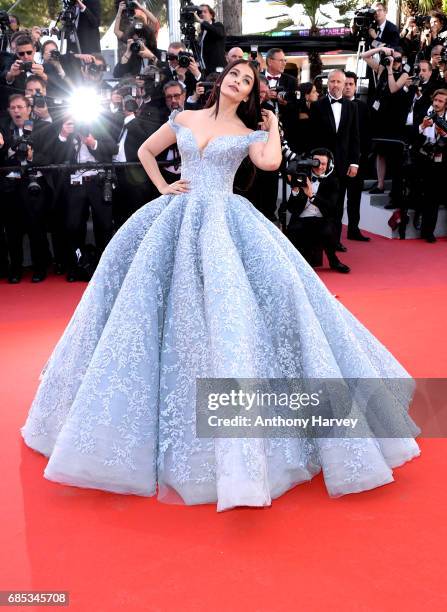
[(13, 24), (312, 96), (48, 49), (238, 83), (435, 24)]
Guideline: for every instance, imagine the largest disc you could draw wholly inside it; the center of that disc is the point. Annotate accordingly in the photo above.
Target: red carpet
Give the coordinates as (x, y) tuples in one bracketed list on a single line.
[(381, 550)]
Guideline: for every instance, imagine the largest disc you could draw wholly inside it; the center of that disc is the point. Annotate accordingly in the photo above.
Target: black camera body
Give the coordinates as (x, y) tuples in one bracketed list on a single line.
[(26, 66), (20, 146), (422, 21), (55, 55), (187, 11), (4, 21), (95, 69), (440, 122), (385, 60), (130, 9), (137, 46), (300, 169), (365, 19), (38, 101)]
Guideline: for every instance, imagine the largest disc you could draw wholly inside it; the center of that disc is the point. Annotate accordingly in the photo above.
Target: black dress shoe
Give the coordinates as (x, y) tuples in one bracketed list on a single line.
[(339, 267), (430, 238), (14, 279), (341, 248), (38, 277), (376, 191), (358, 236)]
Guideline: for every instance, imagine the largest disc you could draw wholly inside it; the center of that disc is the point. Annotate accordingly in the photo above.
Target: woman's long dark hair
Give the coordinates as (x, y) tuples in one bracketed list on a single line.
[(249, 112)]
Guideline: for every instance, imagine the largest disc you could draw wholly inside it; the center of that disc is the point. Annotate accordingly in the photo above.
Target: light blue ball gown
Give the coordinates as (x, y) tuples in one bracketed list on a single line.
[(202, 285)]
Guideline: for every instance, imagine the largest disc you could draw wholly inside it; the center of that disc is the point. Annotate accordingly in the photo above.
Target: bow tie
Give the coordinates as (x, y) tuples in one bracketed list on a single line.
[(333, 100), (315, 179), (269, 77)]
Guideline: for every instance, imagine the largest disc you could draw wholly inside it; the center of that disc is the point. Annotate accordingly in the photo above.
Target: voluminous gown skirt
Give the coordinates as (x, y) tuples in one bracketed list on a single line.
[(202, 285)]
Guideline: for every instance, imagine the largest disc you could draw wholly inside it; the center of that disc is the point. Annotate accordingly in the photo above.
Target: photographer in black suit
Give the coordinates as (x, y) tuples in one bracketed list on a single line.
[(133, 188), (385, 32), (211, 39), (314, 208), (188, 76), (25, 198), (354, 185), (17, 68), (282, 90), (80, 190), (335, 126), (88, 20)]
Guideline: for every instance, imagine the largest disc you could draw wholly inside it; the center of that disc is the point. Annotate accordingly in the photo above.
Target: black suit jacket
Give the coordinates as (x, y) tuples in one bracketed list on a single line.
[(88, 28), (288, 112), (390, 35), (365, 134), (190, 81), (344, 143), (213, 45), (325, 200)]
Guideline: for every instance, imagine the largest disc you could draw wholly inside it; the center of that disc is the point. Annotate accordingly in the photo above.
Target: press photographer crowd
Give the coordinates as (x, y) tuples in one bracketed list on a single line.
[(71, 127)]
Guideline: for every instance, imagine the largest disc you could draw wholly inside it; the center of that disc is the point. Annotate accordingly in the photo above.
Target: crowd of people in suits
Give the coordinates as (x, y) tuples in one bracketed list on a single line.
[(333, 127)]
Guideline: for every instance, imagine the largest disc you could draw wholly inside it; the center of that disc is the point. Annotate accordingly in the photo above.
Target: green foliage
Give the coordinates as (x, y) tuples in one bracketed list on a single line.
[(40, 12)]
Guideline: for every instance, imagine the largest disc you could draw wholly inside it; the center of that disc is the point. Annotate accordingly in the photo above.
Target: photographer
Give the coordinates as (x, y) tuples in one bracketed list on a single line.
[(141, 51), (18, 68), (25, 197), (313, 203), (128, 12), (81, 190), (283, 89), (57, 67), (133, 188), (431, 36), (389, 112), (211, 39), (88, 20), (302, 131), (202, 92), (432, 161), (384, 32), (410, 39), (188, 74), (36, 91)]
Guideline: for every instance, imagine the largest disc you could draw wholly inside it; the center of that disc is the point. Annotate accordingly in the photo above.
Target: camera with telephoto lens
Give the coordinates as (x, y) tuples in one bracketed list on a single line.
[(300, 169), (439, 121)]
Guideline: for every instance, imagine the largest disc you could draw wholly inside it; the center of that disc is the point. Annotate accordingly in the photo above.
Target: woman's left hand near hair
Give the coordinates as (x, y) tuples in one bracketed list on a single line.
[(269, 120)]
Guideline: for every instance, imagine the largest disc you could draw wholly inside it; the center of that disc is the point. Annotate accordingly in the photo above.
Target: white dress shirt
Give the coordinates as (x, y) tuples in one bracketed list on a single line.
[(121, 155)]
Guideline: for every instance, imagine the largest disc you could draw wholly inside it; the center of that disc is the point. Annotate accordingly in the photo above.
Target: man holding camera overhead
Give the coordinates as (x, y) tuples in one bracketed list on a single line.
[(88, 19)]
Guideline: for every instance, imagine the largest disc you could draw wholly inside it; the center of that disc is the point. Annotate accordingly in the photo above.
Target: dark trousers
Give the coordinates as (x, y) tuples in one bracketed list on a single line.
[(24, 212), (263, 193), (433, 174), (78, 200), (352, 187), (129, 196), (307, 233)]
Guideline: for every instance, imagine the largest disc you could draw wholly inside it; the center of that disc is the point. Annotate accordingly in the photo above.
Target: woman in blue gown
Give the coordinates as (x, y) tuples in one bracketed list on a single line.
[(198, 284)]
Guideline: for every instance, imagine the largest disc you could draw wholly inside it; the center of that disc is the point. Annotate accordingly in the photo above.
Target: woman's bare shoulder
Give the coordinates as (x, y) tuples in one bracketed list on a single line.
[(187, 117)]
